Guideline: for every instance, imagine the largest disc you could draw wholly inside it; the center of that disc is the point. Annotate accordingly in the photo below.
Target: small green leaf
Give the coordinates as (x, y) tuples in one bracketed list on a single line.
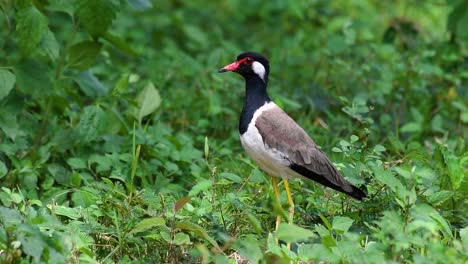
[(122, 84), (148, 100), (71, 213), (82, 55), (77, 163), (7, 82), (61, 6), (147, 224), (232, 177), (202, 185), (198, 230), (379, 148), (181, 239), (292, 233), (342, 223), (96, 16), (50, 46), (31, 25), (90, 85)]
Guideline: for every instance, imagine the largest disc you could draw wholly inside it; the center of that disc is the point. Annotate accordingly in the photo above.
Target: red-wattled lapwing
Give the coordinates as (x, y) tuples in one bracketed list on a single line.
[(275, 141)]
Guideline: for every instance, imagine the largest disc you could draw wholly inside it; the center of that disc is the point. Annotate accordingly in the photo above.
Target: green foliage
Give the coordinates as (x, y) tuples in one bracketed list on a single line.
[(118, 140)]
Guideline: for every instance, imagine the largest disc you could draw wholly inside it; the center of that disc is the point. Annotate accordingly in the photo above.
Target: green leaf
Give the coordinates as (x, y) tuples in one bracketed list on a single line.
[(198, 230), (147, 224), (342, 223), (232, 177), (71, 213), (148, 100), (82, 55), (454, 168), (90, 85), (96, 16), (120, 44), (50, 46), (122, 84), (292, 233), (181, 239), (77, 163), (7, 82), (202, 185), (61, 6), (34, 78), (31, 25), (3, 169)]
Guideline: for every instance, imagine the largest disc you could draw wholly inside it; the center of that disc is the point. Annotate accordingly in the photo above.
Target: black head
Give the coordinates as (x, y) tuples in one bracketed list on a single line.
[(250, 65)]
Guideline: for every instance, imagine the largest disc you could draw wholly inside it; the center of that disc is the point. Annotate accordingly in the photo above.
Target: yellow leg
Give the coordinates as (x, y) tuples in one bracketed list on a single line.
[(290, 200), (291, 205), (275, 188)]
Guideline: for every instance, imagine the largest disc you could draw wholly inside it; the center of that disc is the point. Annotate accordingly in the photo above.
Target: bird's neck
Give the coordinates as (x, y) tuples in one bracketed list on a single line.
[(255, 96)]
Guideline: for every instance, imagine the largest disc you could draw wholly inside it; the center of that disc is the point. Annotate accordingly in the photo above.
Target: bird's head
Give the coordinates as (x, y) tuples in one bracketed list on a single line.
[(249, 65)]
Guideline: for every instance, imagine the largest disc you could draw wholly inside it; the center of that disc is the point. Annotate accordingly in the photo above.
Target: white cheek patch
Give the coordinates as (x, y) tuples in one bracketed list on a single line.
[(259, 69)]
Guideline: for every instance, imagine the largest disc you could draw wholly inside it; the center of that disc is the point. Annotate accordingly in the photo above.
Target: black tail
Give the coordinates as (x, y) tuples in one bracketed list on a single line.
[(356, 193)]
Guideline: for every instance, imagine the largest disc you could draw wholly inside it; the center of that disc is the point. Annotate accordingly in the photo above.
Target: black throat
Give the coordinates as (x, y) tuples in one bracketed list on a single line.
[(255, 97)]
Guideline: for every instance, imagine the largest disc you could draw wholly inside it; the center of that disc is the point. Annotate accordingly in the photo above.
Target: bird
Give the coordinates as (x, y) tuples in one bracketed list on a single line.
[(274, 141)]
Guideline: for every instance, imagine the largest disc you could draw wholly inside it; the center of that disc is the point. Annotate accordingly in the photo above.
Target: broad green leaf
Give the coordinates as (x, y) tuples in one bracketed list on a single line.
[(61, 6), (7, 82), (272, 246), (31, 25), (292, 233), (148, 100), (147, 224), (198, 230), (411, 127), (90, 85), (77, 163), (50, 46), (90, 123), (232, 177), (342, 223), (71, 213), (83, 55), (181, 239), (34, 78), (96, 16), (201, 186), (120, 44)]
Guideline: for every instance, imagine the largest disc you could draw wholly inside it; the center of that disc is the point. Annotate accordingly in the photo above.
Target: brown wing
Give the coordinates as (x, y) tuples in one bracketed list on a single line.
[(281, 132)]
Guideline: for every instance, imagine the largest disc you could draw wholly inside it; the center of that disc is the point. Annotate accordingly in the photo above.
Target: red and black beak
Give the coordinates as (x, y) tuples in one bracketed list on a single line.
[(231, 67)]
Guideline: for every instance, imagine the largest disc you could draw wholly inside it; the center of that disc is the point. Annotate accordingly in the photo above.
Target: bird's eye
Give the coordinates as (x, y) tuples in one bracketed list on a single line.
[(249, 60)]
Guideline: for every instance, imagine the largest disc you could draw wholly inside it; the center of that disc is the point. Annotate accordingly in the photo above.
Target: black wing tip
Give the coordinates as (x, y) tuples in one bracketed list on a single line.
[(357, 193)]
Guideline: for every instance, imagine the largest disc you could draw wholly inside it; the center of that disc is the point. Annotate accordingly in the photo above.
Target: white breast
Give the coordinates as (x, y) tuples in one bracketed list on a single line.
[(269, 159)]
